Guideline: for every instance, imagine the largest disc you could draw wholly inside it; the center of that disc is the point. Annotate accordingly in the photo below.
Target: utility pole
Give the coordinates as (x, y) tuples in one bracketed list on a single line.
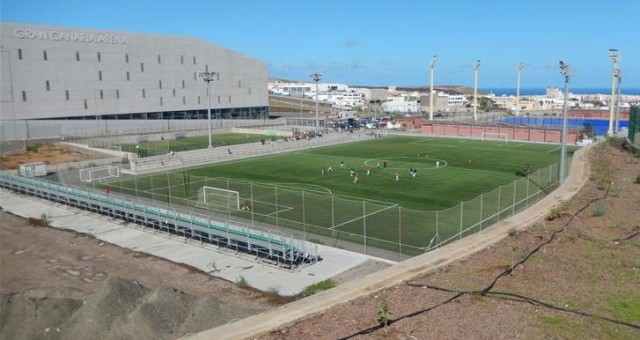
[(316, 77), (475, 90), (519, 68), (564, 69), (615, 58), (432, 65), (208, 77)]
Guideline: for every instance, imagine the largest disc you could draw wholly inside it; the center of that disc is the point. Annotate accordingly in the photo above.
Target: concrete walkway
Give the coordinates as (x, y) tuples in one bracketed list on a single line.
[(209, 258), (403, 271)]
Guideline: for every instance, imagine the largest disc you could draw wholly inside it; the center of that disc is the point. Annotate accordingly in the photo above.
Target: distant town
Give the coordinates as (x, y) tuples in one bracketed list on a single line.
[(447, 99)]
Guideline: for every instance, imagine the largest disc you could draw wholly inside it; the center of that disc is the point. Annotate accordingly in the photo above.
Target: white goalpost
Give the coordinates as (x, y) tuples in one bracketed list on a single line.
[(494, 136), (99, 172), (218, 199)]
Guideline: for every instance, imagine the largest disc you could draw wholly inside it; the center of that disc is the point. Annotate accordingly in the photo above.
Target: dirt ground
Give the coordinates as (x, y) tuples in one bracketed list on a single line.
[(582, 283), (48, 153)]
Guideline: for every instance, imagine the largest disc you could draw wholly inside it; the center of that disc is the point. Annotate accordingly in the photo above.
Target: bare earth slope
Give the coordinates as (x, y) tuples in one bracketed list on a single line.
[(56, 284), (583, 281)]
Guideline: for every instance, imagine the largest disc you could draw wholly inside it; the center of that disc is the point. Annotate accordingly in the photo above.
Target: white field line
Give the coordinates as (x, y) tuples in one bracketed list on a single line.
[(361, 217)]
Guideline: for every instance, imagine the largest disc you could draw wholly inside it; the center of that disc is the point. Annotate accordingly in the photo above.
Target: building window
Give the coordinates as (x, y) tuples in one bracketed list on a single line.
[(249, 90), (19, 54), (85, 104), (184, 100), (158, 59), (229, 98), (174, 92), (239, 83), (160, 101), (126, 58), (47, 85), (128, 76), (44, 55), (182, 60), (160, 84), (117, 94), (24, 96), (141, 67), (198, 100), (195, 76), (218, 99), (77, 56), (101, 94), (183, 84), (194, 60), (99, 57), (100, 75), (144, 93), (66, 94)]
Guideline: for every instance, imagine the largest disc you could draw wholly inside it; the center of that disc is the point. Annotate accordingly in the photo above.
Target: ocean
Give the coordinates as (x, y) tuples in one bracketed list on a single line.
[(532, 91)]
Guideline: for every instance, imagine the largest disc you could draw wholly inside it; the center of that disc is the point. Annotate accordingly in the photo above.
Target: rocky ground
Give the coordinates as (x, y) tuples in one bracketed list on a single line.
[(574, 275)]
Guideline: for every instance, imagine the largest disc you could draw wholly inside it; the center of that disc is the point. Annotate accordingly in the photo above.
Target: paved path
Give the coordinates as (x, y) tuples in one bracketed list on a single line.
[(403, 271)]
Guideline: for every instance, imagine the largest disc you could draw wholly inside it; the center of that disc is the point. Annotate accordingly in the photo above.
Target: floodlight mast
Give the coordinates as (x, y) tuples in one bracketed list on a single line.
[(564, 69), (475, 89), (316, 77), (519, 68), (617, 123), (208, 77), (615, 58), (432, 66)]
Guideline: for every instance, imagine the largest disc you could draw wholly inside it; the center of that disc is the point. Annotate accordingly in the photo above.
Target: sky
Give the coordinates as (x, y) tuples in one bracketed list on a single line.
[(383, 43)]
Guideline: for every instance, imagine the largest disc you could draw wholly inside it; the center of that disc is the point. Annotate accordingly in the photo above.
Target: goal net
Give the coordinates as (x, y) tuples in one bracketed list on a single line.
[(217, 199), (494, 136), (99, 172)]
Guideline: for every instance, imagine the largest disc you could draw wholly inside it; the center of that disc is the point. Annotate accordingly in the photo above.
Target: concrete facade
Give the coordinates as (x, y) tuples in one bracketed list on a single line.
[(54, 72)]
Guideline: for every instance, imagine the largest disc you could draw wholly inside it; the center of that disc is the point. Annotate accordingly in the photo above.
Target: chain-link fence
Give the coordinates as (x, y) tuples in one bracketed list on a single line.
[(376, 228)]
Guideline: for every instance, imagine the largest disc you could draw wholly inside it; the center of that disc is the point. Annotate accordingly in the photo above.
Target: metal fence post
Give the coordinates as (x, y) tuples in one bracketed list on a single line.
[(499, 198), (364, 225), (461, 217), (513, 208), (481, 207)]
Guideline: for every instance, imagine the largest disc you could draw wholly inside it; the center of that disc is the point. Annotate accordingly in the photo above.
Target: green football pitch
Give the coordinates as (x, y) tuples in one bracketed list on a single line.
[(459, 187), (448, 170)]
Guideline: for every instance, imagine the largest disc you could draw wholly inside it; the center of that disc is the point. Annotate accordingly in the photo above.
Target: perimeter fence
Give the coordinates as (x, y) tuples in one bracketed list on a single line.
[(371, 227)]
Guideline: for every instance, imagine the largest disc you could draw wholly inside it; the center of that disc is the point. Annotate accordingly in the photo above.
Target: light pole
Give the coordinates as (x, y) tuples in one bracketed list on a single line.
[(519, 68), (475, 90), (208, 77), (432, 65), (615, 58), (617, 124), (564, 69), (316, 77)]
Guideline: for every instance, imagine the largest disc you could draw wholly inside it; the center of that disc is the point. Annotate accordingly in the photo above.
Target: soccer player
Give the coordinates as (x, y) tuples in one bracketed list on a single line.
[(384, 165), (355, 177), (323, 170), (368, 170), (397, 176), (341, 164), (330, 167), (352, 172)]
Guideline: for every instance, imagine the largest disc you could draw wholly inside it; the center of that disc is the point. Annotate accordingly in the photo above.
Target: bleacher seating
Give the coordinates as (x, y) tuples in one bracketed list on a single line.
[(219, 154)]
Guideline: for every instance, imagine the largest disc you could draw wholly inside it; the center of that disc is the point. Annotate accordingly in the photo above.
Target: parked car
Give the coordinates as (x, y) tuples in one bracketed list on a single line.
[(584, 142)]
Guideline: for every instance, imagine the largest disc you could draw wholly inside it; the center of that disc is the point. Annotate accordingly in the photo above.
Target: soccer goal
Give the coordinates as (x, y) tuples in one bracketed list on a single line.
[(217, 199), (494, 136), (99, 172)]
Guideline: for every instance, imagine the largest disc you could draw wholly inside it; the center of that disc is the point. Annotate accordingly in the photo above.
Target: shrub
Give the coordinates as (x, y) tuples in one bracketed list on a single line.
[(637, 180), (601, 209), (557, 210), (241, 281), (384, 313)]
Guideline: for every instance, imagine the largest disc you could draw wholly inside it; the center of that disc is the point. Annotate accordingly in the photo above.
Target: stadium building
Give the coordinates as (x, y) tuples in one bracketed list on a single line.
[(79, 74)]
